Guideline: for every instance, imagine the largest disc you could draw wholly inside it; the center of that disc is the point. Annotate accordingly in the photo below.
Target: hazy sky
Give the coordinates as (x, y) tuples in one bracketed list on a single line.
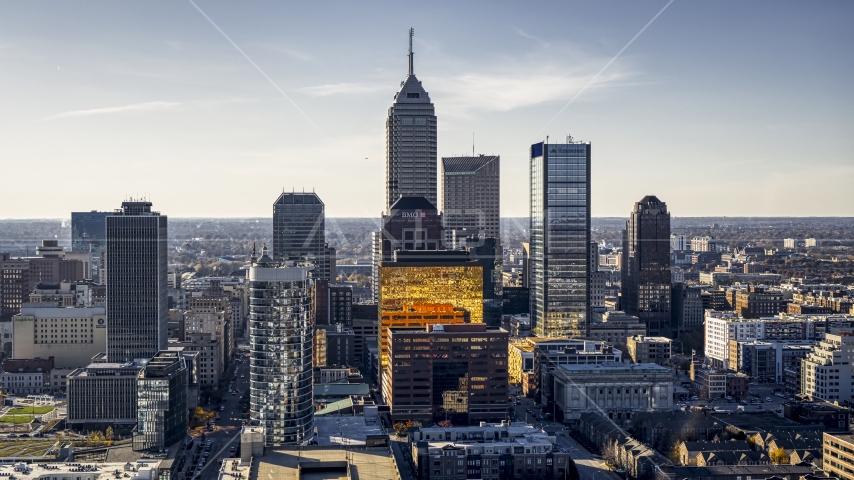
[(718, 108)]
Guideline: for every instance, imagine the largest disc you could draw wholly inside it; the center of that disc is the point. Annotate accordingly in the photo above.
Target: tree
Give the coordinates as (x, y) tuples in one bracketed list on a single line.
[(779, 457), (445, 424), (109, 435)]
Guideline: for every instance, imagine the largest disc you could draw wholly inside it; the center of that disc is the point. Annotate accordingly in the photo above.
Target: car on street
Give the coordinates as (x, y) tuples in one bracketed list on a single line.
[(768, 399)]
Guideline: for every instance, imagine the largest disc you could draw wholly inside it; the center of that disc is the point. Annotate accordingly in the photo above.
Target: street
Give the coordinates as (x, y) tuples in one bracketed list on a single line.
[(590, 467), (227, 428)]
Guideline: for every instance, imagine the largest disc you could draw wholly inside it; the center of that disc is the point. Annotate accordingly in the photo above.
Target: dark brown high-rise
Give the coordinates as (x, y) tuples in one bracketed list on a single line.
[(646, 266)]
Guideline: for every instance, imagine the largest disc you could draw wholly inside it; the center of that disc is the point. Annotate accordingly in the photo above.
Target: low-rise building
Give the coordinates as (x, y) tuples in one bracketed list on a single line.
[(834, 417), (532, 456), (619, 390), (26, 376), (757, 302), (644, 349), (615, 327)]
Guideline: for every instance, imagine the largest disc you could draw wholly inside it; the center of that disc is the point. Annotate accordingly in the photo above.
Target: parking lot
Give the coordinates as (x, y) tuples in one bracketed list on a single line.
[(757, 401)]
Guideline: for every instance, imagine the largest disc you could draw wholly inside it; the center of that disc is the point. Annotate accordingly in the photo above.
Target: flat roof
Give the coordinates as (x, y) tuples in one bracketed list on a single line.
[(345, 429), (607, 367), (373, 463)]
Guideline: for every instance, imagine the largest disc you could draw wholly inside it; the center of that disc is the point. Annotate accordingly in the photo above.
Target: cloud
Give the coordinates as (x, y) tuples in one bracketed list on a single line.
[(342, 88), (527, 35), (147, 106), (516, 87)]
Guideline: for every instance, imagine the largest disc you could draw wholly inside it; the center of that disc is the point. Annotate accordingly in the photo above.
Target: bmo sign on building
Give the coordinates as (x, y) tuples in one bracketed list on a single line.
[(412, 223)]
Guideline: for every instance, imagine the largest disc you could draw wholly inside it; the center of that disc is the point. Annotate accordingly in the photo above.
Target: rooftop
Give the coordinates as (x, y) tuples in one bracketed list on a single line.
[(105, 471), (613, 367), (345, 429), (282, 464)]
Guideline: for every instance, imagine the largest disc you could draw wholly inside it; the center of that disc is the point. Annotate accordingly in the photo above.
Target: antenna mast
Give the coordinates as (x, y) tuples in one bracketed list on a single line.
[(411, 55)]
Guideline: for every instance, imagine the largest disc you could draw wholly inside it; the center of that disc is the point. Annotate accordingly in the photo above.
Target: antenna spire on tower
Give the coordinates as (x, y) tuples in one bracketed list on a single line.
[(411, 55)]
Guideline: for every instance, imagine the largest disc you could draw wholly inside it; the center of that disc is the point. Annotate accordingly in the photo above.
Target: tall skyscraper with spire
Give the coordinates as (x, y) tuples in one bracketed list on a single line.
[(411, 161)]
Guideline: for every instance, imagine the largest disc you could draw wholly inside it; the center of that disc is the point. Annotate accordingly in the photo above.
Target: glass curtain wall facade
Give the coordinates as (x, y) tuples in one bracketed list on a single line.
[(89, 234), (299, 228), (560, 237), (280, 346), (161, 402), (137, 308)]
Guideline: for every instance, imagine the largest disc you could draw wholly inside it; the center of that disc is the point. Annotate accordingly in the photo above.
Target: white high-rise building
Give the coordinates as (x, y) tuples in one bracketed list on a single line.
[(826, 372), (679, 243), (411, 142), (280, 349)]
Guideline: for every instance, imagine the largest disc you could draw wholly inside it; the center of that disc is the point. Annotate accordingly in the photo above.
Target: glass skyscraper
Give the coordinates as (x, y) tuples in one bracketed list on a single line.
[(137, 308), (299, 232), (280, 349), (88, 231), (411, 161), (560, 237)]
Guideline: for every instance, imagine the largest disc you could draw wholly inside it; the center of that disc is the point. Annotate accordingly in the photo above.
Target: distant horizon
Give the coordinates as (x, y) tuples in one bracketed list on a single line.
[(377, 218)]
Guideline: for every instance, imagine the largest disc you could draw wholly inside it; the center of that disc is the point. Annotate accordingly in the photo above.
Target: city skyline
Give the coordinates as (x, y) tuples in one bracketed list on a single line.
[(700, 87)]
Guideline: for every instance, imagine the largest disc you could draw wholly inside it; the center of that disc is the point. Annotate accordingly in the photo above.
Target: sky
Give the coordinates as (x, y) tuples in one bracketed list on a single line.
[(211, 109)]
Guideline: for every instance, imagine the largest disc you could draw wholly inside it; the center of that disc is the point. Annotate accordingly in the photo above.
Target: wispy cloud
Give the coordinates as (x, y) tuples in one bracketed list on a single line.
[(516, 87), (342, 88), (527, 35), (134, 107)]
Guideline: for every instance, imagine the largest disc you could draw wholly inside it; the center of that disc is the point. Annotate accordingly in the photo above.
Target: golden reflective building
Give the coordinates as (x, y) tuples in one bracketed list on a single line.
[(457, 285)]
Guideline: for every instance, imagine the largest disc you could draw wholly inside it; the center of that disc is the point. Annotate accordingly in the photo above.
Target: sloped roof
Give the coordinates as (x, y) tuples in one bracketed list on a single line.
[(412, 203), (466, 164)]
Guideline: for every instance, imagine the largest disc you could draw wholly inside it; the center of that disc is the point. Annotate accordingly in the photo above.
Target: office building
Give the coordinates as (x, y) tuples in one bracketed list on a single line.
[(471, 195), (597, 280), (646, 266), (334, 345), (427, 382), (411, 223), (137, 306), (515, 300), (615, 327), (617, 390), (89, 235), (643, 349), (365, 328), (411, 141), (416, 282), (280, 349), (209, 363), (161, 402), (560, 238), (71, 336), (333, 303), (14, 286), (299, 232), (487, 251), (825, 371), (103, 395), (686, 307), (549, 353), (768, 361)]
